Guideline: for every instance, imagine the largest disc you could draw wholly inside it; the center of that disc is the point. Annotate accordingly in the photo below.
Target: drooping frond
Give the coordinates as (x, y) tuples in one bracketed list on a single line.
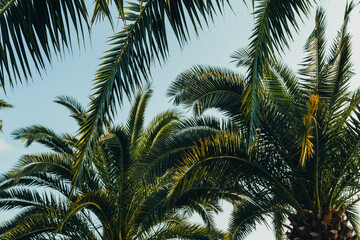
[(47, 162), (273, 22), (77, 111), (225, 157), (245, 217), (44, 136), (203, 87), (102, 10), (32, 31), (35, 224)]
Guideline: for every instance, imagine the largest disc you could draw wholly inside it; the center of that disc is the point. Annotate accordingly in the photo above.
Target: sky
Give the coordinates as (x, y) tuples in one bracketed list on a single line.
[(72, 76)]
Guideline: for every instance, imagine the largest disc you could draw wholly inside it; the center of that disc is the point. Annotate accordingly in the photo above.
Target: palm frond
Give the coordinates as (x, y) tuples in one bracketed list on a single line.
[(225, 157), (314, 63), (43, 136), (185, 230), (45, 162), (153, 139), (32, 31), (278, 222), (273, 22), (205, 87), (168, 153), (241, 57), (78, 112), (102, 10), (283, 86), (137, 113), (244, 218), (42, 224), (340, 69)]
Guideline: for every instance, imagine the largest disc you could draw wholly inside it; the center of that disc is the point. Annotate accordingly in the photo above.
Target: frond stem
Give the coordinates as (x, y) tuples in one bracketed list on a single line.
[(6, 7)]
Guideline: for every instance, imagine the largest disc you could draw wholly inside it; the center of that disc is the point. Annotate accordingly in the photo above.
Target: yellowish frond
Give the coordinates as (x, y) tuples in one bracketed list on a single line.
[(307, 147)]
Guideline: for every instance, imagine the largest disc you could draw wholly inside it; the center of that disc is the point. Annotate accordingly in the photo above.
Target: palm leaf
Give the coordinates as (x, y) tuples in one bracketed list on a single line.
[(44, 136), (273, 22), (78, 112), (244, 218), (137, 113), (36, 29), (314, 63), (340, 69), (205, 87)]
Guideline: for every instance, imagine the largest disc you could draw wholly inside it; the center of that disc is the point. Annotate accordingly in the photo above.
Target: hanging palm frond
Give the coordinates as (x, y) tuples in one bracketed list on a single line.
[(32, 31)]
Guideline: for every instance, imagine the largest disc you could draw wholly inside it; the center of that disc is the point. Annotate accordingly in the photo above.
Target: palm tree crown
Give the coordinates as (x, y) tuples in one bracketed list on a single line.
[(304, 162), (120, 198)]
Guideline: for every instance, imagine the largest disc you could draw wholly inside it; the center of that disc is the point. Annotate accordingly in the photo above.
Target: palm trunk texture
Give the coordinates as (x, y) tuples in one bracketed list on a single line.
[(333, 226)]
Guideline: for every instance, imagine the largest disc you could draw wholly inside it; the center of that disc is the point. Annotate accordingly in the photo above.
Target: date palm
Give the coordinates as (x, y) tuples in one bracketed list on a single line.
[(33, 30), (302, 170), (144, 40), (120, 198)]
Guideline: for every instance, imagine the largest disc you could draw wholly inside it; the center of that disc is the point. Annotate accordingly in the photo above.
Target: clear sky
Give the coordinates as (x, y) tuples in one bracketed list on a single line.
[(33, 102)]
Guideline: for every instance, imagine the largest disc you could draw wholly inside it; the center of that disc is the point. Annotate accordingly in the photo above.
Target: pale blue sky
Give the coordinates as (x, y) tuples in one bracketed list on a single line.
[(73, 76)]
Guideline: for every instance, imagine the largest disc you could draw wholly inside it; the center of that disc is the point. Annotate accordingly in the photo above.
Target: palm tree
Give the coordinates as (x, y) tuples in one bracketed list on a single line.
[(37, 29), (302, 170), (3, 104), (120, 198)]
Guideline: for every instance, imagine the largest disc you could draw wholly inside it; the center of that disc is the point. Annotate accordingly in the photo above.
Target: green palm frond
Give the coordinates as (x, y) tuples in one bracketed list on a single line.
[(78, 112), (46, 162), (151, 143), (44, 136), (245, 217), (32, 31), (340, 69), (225, 157), (314, 62), (137, 113), (241, 57), (283, 85), (184, 230), (36, 224), (160, 127), (168, 153), (273, 22), (201, 88), (102, 10)]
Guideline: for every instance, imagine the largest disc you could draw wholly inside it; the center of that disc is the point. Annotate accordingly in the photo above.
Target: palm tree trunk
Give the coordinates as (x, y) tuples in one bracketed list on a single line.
[(332, 226)]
